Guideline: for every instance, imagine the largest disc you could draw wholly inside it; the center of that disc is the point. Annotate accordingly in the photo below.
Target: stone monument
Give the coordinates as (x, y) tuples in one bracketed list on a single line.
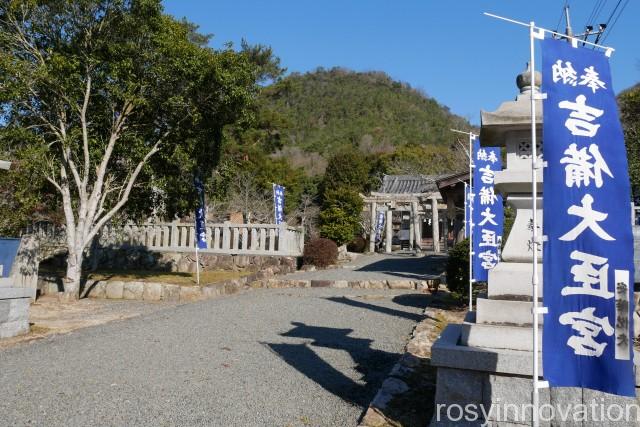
[(488, 359)]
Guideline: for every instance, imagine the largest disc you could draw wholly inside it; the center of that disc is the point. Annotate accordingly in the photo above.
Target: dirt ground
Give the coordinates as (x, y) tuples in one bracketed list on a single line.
[(48, 316)]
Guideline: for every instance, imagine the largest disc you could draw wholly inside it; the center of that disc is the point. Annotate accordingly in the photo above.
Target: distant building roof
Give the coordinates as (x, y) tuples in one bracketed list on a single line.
[(409, 184)]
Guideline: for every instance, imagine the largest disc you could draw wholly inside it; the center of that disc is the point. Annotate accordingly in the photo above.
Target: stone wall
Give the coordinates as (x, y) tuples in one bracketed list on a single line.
[(139, 258)]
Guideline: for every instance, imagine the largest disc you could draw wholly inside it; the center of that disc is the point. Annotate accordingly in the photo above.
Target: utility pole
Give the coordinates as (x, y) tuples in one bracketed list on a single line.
[(568, 31), (587, 32)]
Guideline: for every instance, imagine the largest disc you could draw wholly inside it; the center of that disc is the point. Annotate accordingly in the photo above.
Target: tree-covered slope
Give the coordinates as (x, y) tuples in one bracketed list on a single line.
[(327, 109)]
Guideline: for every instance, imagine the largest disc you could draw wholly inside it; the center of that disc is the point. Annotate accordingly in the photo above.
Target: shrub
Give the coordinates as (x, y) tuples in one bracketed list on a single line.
[(320, 252), (357, 245), (458, 268), (337, 225), (340, 216)]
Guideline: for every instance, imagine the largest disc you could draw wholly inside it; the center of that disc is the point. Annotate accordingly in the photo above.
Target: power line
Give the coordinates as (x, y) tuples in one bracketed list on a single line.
[(561, 15), (614, 11), (597, 14), (615, 21), (592, 15)]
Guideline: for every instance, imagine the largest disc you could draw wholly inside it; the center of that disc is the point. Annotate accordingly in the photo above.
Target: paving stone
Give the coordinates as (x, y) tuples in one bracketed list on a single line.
[(133, 290), (171, 293), (114, 290), (321, 283), (190, 293), (152, 292), (401, 284), (340, 284), (97, 290)]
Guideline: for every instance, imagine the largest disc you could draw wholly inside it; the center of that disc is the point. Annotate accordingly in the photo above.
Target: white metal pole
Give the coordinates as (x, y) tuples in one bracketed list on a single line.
[(466, 204), (197, 266), (535, 238), (471, 195)]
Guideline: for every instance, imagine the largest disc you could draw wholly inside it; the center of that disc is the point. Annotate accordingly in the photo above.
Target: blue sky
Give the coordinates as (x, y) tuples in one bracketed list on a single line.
[(449, 49)]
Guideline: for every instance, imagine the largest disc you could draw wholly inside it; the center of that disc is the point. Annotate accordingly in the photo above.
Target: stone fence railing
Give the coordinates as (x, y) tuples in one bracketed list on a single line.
[(227, 238)]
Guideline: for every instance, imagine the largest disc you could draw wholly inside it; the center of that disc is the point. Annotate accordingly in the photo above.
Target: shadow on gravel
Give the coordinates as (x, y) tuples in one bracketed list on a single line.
[(416, 317), (420, 301), (409, 266), (371, 363)]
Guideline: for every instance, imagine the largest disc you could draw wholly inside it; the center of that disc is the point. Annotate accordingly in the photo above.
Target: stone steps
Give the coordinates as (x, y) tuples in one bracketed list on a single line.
[(512, 280), (497, 336), (504, 312)]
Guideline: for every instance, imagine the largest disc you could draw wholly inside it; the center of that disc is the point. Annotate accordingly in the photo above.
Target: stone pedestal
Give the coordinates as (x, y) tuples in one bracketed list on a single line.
[(14, 310)]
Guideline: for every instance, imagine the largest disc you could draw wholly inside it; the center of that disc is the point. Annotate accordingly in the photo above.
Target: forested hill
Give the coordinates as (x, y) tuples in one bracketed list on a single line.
[(328, 109)]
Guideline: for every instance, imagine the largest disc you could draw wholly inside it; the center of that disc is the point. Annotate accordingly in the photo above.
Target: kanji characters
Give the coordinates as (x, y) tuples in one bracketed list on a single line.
[(590, 219), (488, 175), (487, 217), (588, 326), (581, 167), (591, 79), (491, 157), (565, 73), (481, 155), (489, 259), (594, 280), (579, 121), (489, 239), (487, 196)]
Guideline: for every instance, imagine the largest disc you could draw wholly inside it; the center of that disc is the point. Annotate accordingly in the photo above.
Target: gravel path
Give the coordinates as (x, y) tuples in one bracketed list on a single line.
[(290, 357), (400, 266)]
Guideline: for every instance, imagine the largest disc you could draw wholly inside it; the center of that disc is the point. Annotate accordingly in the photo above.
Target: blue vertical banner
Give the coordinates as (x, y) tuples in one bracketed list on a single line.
[(278, 203), (379, 225), (588, 252), (488, 212), (201, 223)]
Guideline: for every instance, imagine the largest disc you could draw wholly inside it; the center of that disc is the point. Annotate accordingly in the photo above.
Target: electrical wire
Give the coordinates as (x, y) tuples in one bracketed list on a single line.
[(615, 21), (561, 16), (592, 15)]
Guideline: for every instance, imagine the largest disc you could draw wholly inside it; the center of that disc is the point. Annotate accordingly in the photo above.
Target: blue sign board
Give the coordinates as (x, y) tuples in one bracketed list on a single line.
[(588, 252), (278, 203), (488, 212), (379, 225), (8, 251), (201, 227)]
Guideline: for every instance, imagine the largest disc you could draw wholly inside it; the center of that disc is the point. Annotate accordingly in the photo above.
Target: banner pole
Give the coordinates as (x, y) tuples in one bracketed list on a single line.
[(466, 206), (534, 223), (471, 138), (197, 266)]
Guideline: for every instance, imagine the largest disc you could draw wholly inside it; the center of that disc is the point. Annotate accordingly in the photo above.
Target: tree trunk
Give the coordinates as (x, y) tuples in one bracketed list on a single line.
[(72, 279)]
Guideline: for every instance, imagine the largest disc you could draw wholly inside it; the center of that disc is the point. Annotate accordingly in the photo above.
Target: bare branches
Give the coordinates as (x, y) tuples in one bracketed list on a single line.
[(127, 191)]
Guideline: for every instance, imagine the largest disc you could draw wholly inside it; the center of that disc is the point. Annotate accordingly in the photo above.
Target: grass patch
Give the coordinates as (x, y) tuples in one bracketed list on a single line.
[(184, 279)]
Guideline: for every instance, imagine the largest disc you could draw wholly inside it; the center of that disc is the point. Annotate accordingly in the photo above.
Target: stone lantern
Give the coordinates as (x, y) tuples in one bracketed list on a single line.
[(488, 359)]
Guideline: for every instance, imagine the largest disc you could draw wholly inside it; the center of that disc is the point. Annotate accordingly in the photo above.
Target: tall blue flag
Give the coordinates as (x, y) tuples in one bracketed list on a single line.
[(488, 212), (201, 227), (588, 253), (278, 203), (379, 225)]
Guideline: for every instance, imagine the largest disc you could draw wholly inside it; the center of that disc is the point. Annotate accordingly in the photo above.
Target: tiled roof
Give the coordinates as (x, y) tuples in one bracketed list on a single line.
[(409, 184)]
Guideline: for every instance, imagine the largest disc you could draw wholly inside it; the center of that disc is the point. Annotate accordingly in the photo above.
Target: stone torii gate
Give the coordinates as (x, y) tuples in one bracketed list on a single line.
[(416, 194)]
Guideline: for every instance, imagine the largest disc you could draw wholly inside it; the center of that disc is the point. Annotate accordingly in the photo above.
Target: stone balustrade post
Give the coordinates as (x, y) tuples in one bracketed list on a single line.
[(174, 233)]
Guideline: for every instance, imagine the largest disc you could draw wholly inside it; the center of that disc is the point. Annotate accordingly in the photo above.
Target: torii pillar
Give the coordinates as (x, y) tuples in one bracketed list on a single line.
[(434, 224)]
